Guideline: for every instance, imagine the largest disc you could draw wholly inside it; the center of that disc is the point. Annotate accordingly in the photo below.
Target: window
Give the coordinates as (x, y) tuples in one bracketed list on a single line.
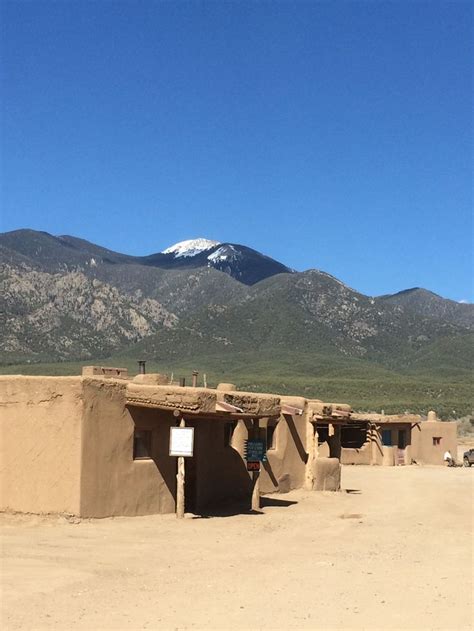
[(141, 444), (354, 436), (402, 441), (229, 432), (323, 433), (436, 440), (387, 437), (271, 438)]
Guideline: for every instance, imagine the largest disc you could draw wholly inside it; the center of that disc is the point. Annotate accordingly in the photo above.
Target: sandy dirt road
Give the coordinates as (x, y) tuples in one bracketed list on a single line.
[(394, 553)]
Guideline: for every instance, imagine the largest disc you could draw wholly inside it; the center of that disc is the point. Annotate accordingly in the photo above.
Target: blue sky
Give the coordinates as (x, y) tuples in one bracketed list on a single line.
[(335, 135)]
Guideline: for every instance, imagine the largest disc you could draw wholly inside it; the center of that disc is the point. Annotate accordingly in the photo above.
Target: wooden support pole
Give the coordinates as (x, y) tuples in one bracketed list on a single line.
[(256, 474), (311, 451), (180, 482)]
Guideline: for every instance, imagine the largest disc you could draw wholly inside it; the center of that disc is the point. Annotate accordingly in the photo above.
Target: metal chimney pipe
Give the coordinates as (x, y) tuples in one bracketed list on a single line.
[(195, 378), (182, 382), (141, 366)]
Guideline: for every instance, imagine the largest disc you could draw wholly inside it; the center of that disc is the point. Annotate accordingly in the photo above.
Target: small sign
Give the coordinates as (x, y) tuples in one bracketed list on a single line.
[(253, 466), (255, 450), (182, 441)]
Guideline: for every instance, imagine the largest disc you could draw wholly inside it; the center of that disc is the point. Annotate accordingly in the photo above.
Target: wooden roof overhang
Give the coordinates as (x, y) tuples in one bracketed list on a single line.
[(388, 419), (333, 413), (332, 420), (203, 403)]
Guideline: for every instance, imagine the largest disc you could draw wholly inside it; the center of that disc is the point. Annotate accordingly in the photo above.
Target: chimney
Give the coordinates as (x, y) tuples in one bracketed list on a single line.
[(195, 378), (141, 366), (182, 382)]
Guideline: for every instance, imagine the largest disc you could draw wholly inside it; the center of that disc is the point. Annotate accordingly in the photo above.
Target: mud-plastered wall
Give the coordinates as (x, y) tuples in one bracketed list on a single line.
[(40, 444), (361, 455), (287, 454), (216, 476), (431, 439), (112, 482)]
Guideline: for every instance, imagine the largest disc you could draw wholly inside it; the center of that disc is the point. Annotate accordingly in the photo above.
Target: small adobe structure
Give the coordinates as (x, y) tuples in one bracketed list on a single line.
[(97, 445), (397, 439)]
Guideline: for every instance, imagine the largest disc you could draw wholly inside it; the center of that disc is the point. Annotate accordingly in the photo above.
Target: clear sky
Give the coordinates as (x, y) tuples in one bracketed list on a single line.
[(335, 135)]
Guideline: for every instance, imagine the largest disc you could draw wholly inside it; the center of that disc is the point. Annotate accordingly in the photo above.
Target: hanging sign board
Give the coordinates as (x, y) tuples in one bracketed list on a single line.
[(181, 441), (255, 450)]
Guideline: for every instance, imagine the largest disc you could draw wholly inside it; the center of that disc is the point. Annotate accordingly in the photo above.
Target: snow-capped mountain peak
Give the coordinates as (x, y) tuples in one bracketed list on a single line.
[(224, 253), (191, 247)]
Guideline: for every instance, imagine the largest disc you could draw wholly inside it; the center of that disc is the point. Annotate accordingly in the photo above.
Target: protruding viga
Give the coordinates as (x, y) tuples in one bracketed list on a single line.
[(196, 400), (251, 402)]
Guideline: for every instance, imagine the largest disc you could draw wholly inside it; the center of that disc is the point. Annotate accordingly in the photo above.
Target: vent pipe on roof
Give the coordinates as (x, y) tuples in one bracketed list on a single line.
[(141, 366)]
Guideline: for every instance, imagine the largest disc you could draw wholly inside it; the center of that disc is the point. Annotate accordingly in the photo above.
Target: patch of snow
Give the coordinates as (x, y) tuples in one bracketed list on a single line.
[(191, 247), (222, 254)]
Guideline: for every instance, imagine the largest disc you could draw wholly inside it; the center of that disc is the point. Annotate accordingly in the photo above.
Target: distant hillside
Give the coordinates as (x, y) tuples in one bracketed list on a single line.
[(63, 298), (424, 302), (67, 253)]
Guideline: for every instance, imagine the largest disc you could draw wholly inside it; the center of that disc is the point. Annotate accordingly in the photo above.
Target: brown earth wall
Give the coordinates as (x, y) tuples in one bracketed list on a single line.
[(424, 450), (361, 455), (112, 482), (285, 468), (216, 476), (40, 444)]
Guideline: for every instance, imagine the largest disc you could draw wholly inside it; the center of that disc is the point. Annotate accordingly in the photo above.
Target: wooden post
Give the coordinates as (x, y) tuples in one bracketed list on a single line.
[(310, 450), (180, 483), (256, 474)]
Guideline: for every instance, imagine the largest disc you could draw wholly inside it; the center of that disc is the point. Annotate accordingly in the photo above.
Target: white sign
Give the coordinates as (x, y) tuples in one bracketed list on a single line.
[(181, 441)]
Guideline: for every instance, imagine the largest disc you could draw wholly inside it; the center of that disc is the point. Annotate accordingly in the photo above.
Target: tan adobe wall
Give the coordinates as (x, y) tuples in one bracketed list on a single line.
[(327, 474), (424, 451), (286, 462), (392, 455), (361, 455), (375, 453), (40, 444), (216, 476), (285, 468), (112, 483)]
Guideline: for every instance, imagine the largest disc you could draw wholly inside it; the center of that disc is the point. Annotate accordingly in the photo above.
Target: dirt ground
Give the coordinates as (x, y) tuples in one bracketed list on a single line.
[(393, 551)]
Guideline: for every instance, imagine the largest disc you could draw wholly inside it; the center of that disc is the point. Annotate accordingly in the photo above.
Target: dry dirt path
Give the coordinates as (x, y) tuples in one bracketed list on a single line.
[(396, 553)]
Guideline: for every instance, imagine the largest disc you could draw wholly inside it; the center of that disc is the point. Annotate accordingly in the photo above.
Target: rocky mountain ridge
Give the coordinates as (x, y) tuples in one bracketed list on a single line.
[(65, 298)]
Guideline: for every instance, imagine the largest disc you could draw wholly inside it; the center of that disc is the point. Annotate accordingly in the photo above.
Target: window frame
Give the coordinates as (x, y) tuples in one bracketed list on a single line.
[(148, 443)]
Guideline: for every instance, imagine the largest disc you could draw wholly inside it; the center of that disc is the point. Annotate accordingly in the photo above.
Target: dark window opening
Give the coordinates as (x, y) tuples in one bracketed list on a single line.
[(323, 433), (229, 432), (142, 444), (387, 437), (271, 437), (402, 443), (354, 436), (436, 440)]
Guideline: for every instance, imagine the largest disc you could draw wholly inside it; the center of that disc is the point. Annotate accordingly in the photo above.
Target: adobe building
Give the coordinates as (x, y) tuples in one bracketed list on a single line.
[(403, 439), (97, 445), (293, 458)]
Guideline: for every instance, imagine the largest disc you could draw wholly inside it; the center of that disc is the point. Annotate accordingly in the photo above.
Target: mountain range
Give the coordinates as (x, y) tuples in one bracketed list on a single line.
[(218, 305)]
